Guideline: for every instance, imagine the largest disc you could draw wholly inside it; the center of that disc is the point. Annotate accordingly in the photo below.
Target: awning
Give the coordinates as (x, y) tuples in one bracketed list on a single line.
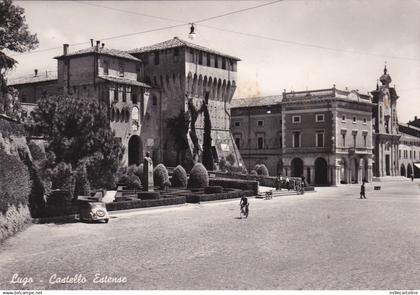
[(417, 165)]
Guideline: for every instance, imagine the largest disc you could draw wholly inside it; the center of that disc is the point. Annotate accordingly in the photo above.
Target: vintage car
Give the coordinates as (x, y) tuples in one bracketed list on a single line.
[(93, 211)]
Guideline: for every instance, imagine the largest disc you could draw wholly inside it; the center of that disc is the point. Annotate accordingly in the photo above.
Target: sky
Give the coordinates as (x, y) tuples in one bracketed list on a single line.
[(292, 44)]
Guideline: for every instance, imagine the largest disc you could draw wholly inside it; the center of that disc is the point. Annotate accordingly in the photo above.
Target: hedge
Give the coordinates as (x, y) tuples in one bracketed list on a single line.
[(10, 127), (15, 183), (246, 185), (145, 203), (234, 193)]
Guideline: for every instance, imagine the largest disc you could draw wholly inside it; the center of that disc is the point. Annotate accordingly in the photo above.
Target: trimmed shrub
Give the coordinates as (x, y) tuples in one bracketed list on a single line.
[(179, 177), (62, 178), (131, 181), (136, 170), (253, 172), (199, 177), (160, 176), (261, 170), (213, 189), (82, 186)]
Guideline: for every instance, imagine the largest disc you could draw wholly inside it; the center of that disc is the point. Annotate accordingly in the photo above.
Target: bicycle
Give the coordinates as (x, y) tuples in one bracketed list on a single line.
[(244, 211), (268, 195)]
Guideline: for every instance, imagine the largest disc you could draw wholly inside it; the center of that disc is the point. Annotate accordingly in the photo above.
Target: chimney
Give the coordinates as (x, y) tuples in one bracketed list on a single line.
[(91, 42), (36, 72), (97, 45), (65, 49), (103, 45)]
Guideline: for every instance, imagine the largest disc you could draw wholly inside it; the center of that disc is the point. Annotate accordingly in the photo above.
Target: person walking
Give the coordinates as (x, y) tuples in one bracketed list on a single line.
[(412, 177), (363, 191)]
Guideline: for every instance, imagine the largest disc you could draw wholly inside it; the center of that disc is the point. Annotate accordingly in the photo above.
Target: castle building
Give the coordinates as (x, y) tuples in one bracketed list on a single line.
[(184, 77), (155, 94)]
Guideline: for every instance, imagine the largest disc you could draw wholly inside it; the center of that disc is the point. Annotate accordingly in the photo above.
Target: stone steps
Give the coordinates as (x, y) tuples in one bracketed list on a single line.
[(390, 179)]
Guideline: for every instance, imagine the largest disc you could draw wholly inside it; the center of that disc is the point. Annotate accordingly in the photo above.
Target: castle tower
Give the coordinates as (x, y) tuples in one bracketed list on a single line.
[(386, 135)]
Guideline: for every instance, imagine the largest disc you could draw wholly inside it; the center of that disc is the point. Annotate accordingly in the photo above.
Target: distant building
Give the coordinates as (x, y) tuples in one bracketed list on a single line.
[(329, 136), (409, 149), (324, 135)]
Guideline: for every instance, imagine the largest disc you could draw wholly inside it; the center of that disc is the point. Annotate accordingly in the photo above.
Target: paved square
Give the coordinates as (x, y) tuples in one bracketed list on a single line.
[(325, 240)]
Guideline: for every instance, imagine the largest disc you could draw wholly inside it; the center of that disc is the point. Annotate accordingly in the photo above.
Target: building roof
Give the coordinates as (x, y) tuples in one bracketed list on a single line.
[(102, 51), (176, 42), (124, 81), (46, 77), (256, 101)]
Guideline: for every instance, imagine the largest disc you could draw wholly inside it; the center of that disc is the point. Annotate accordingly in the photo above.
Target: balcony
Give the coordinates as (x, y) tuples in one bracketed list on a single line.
[(291, 150), (353, 150)]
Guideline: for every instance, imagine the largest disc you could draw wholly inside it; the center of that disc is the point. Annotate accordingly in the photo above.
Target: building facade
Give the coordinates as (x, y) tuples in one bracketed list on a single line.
[(324, 135), (329, 136)]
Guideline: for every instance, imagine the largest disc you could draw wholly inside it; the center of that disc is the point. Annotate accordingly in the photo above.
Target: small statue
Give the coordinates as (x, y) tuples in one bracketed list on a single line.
[(148, 173)]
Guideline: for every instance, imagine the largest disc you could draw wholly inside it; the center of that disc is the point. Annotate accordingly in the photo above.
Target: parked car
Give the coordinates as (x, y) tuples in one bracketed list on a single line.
[(93, 211)]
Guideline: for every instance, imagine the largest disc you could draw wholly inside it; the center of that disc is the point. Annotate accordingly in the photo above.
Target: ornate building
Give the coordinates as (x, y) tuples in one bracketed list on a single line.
[(330, 136), (324, 135), (386, 134)]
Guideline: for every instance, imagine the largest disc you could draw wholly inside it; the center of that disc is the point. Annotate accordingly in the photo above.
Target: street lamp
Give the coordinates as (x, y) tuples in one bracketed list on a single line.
[(192, 34)]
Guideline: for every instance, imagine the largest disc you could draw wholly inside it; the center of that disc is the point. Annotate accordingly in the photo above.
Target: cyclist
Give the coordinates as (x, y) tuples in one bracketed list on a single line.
[(244, 205)]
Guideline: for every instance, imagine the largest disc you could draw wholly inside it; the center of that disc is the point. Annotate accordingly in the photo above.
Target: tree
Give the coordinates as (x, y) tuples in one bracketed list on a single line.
[(207, 153), (14, 36), (77, 130)]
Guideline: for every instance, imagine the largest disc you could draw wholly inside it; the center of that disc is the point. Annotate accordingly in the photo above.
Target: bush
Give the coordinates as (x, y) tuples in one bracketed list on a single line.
[(82, 186), (199, 177), (62, 178), (179, 177), (261, 170), (253, 172), (131, 181), (160, 176), (136, 170), (36, 152), (15, 183)]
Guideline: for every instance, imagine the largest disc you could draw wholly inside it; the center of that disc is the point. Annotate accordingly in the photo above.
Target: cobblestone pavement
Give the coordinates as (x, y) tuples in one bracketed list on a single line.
[(325, 240)]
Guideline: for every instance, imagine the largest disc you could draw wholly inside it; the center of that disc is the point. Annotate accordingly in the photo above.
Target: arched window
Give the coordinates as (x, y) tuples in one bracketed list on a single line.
[(112, 114), (117, 115)]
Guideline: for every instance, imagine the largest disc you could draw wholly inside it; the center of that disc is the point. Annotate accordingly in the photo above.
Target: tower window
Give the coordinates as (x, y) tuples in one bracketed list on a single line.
[(121, 69), (200, 58), (176, 54), (156, 58), (154, 101), (260, 123)]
